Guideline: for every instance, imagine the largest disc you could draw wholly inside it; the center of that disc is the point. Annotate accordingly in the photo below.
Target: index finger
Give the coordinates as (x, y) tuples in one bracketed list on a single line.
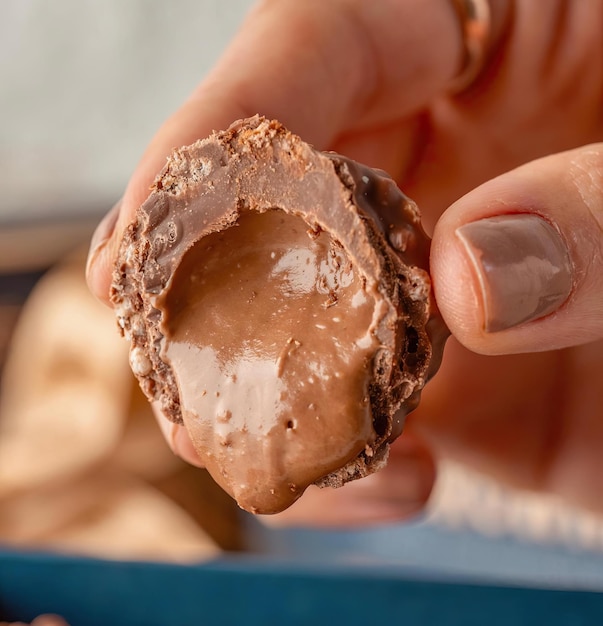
[(319, 67)]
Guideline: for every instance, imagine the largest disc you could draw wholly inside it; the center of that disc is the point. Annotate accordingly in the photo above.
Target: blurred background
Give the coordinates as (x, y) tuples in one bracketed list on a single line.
[(83, 87), (83, 470)]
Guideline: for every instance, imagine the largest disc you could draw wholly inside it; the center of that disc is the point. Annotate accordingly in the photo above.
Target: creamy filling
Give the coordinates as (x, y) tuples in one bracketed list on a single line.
[(267, 328)]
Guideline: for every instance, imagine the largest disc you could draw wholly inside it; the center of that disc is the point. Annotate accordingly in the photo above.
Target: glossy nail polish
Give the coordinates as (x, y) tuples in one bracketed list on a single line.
[(522, 265)]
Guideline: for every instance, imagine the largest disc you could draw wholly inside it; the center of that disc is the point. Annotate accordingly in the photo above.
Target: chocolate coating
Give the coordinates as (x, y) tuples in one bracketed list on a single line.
[(278, 304)]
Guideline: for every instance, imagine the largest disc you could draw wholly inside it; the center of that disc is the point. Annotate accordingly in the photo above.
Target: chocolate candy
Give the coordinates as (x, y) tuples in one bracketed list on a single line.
[(278, 305)]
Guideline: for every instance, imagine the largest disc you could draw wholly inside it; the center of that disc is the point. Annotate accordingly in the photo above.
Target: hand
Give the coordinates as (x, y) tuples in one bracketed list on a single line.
[(370, 80)]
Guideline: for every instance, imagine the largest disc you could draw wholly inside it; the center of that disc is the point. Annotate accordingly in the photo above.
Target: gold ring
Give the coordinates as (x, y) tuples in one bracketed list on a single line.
[(476, 25)]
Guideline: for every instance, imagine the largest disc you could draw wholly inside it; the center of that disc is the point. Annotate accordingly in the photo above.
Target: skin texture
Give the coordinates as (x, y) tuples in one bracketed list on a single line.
[(523, 404)]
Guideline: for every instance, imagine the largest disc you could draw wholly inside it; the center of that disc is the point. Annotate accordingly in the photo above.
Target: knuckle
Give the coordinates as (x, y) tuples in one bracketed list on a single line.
[(586, 174)]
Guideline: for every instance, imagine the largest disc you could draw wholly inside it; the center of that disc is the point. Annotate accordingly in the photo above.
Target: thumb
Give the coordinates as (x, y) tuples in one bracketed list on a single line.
[(517, 263)]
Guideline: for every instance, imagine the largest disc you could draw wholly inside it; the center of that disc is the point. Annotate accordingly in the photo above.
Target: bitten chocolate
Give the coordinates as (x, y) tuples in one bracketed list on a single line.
[(278, 305)]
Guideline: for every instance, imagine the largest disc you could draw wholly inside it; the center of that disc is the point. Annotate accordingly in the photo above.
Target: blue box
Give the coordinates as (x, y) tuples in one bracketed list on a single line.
[(253, 591)]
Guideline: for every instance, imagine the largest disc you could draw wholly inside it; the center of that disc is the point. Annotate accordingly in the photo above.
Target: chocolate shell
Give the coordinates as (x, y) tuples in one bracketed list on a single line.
[(278, 304)]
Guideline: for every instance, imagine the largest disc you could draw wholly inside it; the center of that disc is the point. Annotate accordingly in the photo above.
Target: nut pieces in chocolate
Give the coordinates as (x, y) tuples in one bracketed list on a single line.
[(278, 305)]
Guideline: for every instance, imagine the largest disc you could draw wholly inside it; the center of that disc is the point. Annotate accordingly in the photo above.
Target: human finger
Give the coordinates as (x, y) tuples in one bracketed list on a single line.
[(177, 438), (517, 263), (319, 67)]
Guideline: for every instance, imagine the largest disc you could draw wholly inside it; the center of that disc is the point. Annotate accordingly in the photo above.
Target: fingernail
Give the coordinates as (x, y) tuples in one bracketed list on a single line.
[(103, 233), (523, 268)]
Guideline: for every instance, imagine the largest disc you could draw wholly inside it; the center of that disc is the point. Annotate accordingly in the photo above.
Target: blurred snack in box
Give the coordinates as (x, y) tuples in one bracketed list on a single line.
[(8, 318), (65, 386), (83, 467), (104, 514)]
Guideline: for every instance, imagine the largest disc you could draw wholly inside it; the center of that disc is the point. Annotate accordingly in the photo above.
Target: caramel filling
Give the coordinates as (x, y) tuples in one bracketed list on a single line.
[(269, 338)]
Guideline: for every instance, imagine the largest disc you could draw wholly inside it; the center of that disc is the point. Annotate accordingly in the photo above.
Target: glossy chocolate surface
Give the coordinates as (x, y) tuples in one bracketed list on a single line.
[(278, 305), (270, 346)]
